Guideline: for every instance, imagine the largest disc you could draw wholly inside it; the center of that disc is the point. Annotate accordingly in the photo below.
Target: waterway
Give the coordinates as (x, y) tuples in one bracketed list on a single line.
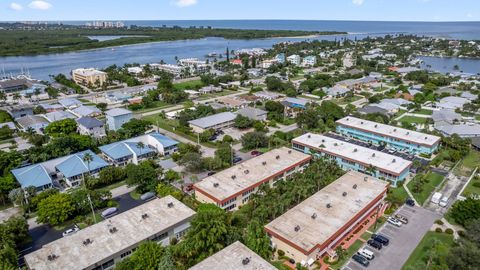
[(450, 64)]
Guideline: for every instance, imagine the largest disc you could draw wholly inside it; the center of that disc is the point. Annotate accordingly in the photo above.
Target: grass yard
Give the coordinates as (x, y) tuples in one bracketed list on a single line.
[(434, 180), (421, 251), (473, 188), (468, 164), (350, 251), (424, 112), (413, 119), (345, 101), (400, 112), (189, 85)]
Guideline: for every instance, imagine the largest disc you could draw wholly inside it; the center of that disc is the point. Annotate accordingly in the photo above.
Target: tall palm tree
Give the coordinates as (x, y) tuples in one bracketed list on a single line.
[(140, 146), (87, 158)]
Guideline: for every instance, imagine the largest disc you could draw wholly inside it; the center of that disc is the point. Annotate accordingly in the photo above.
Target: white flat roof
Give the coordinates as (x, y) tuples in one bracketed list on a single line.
[(131, 229), (353, 152), (250, 173), (328, 220), (390, 131), (88, 71), (231, 258)]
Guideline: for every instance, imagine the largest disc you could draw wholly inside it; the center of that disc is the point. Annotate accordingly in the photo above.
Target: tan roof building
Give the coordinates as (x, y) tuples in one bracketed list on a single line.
[(315, 226)]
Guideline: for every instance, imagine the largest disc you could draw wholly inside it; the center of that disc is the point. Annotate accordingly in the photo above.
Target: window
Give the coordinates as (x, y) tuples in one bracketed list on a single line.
[(231, 207), (229, 201), (298, 146), (248, 192), (160, 237), (125, 254), (108, 264)]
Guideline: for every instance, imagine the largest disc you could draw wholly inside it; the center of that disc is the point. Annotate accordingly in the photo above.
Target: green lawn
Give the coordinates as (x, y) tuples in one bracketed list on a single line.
[(434, 180), (420, 252), (477, 117), (413, 119), (366, 235), (156, 105), (424, 111), (400, 112), (112, 186), (189, 85), (345, 101), (471, 189), (468, 164), (350, 251)]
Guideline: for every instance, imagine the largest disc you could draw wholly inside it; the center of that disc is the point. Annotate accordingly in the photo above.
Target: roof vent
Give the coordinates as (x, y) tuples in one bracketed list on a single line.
[(361, 122), (264, 163), (52, 257), (234, 176), (277, 157), (314, 215), (329, 205), (246, 261), (297, 228), (408, 132), (355, 150), (394, 160), (376, 125), (355, 186), (113, 230), (394, 130), (215, 184), (425, 137), (335, 144), (365, 178), (246, 171), (170, 204), (289, 151), (87, 242), (373, 155), (309, 136), (347, 118), (144, 216), (344, 194), (323, 140)]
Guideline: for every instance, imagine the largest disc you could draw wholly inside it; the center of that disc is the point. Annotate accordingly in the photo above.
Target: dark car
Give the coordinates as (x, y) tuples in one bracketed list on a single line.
[(211, 173), (410, 202), (361, 260), (380, 238), (213, 138), (188, 187), (237, 159), (374, 244), (292, 261), (255, 153)]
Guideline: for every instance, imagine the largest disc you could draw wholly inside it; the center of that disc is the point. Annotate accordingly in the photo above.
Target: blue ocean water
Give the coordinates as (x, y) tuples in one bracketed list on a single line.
[(41, 66)]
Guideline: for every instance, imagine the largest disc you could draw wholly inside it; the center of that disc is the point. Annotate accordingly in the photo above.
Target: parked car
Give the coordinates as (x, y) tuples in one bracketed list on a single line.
[(147, 196), (109, 212), (236, 159), (401, 218), (410, 202), (71, 231), (292, 261), (361, 260), (443, 202), (366, 253), (436, 197), (394, 221), (211, 173), (255, 153), (381, 239), (374, 244)]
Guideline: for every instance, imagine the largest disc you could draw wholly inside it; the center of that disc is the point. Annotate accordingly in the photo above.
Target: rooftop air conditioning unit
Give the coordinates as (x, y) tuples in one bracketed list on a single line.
[(246, 261), (309, 136), (87, 241), (365, 179), (344, 194), (355, 186), (376, 126), (264, 163), (144, 216), (373, 155), (329, 205), (113, 230), (289, 151), (234, 176), (297, 228), (314, 215), (393, 161), (355, 150), (170, 204), (277, 157), (246, 171), (215, 184)]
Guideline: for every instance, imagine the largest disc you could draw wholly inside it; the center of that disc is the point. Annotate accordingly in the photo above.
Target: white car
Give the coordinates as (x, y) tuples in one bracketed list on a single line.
[(71, 231), (394, 221)]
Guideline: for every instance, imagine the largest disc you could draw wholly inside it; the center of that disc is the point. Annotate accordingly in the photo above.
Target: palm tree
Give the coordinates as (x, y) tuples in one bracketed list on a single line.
[(3, 96), (88, 158), (141, 146), (16, 96)]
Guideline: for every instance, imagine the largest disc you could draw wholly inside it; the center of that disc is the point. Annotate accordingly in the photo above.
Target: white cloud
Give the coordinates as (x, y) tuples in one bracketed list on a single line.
[(185, 3), (357, 2), (16, 6), (41, 5), (469, 15)]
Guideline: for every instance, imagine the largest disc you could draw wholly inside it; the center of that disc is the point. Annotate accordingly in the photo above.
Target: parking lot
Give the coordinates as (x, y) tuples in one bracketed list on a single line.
[(403, 240)]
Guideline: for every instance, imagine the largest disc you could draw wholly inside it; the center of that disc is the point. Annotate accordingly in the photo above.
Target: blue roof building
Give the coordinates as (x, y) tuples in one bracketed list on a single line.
[(70, 103), (69, 168), (136, 149), (117, 117), (280, 58)]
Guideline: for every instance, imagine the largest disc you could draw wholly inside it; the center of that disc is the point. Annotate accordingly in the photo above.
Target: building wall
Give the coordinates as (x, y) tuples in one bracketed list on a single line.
[(116, 122), (391, 142), (96, 132), (92, 79), (354, 166), (198, 129)]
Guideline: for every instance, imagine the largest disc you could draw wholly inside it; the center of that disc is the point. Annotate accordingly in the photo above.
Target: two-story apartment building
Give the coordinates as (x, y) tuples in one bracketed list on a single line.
[(393, 137), (354, 157), (232, 187)]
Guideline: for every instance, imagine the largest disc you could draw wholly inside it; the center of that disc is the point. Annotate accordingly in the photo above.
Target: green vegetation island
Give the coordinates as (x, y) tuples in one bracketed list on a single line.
[(19, 41)]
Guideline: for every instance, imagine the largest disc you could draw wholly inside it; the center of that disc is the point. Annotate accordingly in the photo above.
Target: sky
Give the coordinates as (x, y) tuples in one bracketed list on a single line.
[(371, 10)]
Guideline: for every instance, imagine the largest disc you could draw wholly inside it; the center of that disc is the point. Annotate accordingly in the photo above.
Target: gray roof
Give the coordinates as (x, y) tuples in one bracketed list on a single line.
[(251, 112), (117, 112), (213, 120), (59, 115), (31, 120), (89, 122), (445, 115), (373, 109), (462, 130)]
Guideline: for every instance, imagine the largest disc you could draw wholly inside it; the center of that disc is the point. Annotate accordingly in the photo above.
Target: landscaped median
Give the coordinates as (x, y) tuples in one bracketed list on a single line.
[(423, 185), (434, 246)]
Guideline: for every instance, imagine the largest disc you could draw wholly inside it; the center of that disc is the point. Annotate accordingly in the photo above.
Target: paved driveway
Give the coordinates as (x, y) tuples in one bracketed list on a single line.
[(403, 240)]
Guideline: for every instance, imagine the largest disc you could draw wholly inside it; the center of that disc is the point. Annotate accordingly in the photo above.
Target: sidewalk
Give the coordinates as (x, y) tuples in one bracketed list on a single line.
[(408, 191)]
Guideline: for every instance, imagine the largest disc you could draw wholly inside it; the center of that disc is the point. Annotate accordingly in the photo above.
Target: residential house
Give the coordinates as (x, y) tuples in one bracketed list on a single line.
[(117, 117), (91, 126), (34, 122), (253, 113), (216, 121), (83, 111)]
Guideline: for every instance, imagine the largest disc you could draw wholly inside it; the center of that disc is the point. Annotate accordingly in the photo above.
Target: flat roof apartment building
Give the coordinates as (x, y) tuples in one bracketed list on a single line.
[(354, 157), (393, 137), (216, 121), (101, 245), (85, 76), (234, 257), (232, 187), (317, 225)]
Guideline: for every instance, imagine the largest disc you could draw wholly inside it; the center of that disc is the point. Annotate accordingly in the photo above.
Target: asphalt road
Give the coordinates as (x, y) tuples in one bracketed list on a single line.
[(403, 240), (45, 234)]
